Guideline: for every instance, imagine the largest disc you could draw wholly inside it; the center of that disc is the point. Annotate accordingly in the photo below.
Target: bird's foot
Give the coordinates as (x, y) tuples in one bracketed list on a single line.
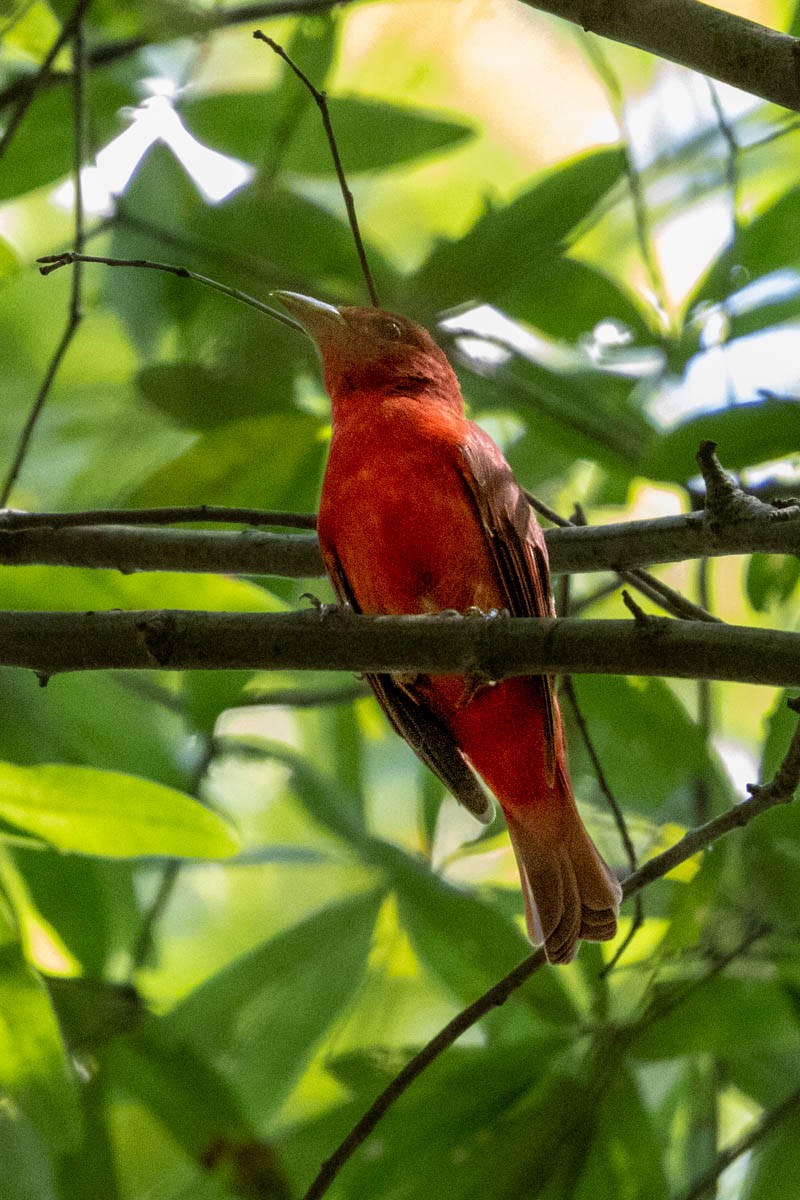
[(475, 682), (326, 610)]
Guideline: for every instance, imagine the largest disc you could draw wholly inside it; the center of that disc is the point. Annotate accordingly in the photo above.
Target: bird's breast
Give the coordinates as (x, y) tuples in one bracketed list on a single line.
[(397, 516)]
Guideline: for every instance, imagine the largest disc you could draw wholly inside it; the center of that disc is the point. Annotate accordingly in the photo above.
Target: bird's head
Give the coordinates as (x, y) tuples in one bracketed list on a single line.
[(372, 352)]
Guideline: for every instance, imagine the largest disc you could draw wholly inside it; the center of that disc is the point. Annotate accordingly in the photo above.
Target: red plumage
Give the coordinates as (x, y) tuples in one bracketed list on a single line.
[(419, 513)]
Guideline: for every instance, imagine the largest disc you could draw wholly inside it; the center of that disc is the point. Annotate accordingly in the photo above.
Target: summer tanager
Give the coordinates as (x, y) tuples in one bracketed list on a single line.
[(420, 513)]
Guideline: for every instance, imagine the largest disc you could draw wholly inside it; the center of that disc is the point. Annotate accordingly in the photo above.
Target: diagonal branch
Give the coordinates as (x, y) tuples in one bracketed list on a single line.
[(656, 868), (706, 39), (703, 1185), (75, 313), (53, 262)]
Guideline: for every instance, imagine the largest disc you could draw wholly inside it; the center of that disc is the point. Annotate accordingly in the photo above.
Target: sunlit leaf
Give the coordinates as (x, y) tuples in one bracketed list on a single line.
[(746, 434), (506, 248), (88, 811), (309, 971), (35, 1072)]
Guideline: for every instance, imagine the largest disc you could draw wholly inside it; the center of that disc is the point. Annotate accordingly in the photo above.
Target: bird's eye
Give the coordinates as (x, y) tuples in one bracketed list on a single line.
[(392, 330)]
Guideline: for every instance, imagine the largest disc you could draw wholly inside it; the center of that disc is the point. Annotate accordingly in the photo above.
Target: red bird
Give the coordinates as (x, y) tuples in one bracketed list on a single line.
[(419, 513)]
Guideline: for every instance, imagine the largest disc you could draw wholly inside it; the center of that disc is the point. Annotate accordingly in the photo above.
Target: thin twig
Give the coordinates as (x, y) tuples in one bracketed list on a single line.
[(306, 697), (641, 220), (321, 101), (143, 945), (34, 83), (11, 519), (705, 1183), (568, 688), (660, 593), (705, 722), (75, 314), (52, 262), (656, 868)]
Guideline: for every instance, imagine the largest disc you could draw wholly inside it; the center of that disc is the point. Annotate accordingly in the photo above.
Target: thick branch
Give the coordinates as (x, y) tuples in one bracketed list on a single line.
[(336, 639), (572, 549), (706, 39)]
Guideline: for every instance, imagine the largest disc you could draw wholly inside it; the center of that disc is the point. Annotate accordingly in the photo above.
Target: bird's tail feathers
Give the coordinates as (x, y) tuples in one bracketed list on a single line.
[(570, 893)]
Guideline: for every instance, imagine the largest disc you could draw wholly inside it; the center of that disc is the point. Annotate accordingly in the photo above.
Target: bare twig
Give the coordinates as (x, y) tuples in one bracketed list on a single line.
[(52, 262), (568, 687), (616, 95), (704, 1184), (34, 83), (724, 500), (12, 519), (75, 314), (656, 868), (170, 873), (660, 593), (638, 613), (321, 101)]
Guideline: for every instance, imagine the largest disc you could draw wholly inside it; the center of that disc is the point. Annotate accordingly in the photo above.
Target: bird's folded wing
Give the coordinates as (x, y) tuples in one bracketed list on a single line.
[(516, 542), (414, 721)]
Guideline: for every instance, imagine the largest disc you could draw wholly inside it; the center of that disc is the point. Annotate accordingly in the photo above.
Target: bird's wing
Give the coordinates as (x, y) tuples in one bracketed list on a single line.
[(416, 724), (516, 542)]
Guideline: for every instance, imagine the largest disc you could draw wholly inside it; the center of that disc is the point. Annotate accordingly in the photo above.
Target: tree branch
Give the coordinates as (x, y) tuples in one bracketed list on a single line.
[(75, 313), (108, 53), (572, 549), (656, 868), (706, 39), (703, 1185), (336, 639)]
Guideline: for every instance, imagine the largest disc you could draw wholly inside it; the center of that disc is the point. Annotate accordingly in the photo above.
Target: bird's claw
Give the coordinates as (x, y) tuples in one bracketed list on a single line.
[(325, 610), (475, 682)]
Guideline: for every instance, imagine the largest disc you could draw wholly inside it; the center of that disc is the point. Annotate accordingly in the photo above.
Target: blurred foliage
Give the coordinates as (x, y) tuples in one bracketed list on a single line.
[(225, 926)]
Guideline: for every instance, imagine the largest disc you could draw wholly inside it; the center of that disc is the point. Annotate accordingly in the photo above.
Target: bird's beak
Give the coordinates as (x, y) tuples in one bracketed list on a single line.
[(319, 320)]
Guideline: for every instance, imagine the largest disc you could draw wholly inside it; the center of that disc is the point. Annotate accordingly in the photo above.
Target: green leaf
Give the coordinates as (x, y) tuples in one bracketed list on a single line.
[(717, 1013), (87, 811), (773, 1162), (228, 466), (372, 136), (747, 434), (28, 1168), (9, 262), (767, 243), (41, 153), (644, 772), (772, 843), (624, 1150), (771, 579), (468, 943), (178, 1086), (35, 1072), (569, 298), (508, 247), (258, 1021), (569, 414), (335, 807), (92, 1013), (91, 719)]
